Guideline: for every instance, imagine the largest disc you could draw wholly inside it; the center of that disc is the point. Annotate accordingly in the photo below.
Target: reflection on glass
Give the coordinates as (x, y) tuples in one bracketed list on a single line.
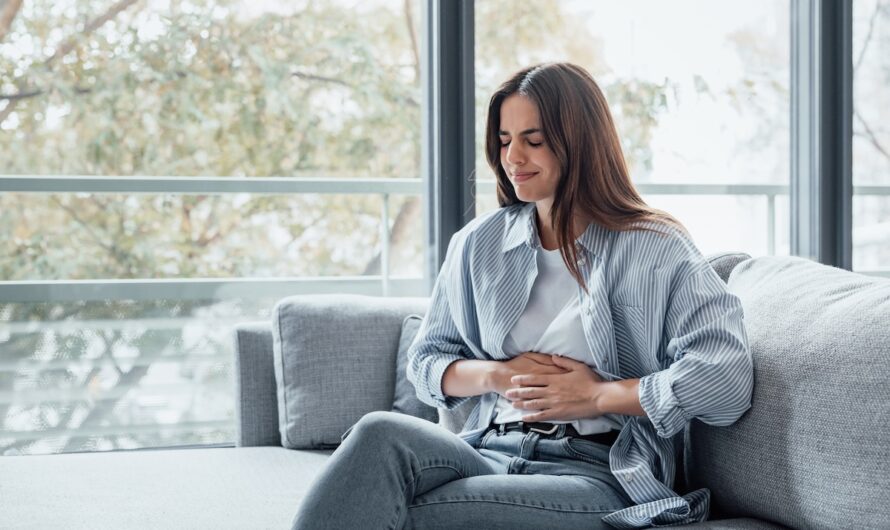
[(92, 376)]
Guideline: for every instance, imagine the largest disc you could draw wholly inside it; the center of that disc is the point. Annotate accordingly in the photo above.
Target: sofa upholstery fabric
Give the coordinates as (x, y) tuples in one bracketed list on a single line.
[(405, 399), (814, 450)]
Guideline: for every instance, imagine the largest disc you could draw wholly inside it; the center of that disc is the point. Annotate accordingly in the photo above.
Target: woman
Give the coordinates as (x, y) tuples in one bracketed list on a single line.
[(589, 324)]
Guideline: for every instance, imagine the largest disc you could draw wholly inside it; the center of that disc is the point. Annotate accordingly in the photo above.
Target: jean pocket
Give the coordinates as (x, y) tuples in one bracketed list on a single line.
[(586, 451), (484, 439)]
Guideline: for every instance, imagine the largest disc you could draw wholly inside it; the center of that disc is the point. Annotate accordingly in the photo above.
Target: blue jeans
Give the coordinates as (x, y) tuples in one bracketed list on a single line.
[(396, 471)]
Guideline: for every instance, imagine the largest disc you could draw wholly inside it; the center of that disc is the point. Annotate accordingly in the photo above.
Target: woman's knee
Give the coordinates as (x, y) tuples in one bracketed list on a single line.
[(383, 426)]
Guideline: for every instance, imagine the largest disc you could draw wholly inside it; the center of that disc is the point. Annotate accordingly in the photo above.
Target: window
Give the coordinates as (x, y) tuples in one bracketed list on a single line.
[(871, 136), (175, 168), (701, 103)]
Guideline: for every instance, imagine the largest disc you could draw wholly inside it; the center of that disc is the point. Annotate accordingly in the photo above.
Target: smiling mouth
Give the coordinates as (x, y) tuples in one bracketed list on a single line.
[(520, 177)]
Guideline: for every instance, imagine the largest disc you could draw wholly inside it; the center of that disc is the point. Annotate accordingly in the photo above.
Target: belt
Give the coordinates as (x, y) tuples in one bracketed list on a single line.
[(550, 430)]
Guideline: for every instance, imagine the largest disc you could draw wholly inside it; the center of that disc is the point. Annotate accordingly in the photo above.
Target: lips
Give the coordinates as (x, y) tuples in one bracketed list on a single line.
[(521, 177)]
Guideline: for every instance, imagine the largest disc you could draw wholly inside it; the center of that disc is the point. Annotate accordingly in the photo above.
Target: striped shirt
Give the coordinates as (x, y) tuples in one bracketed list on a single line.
[(654, 310)]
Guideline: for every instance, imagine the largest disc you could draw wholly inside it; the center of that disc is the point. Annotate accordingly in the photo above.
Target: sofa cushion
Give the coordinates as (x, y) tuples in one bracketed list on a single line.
[(813, 451), (405, 399), (335, 361), (219, 488)]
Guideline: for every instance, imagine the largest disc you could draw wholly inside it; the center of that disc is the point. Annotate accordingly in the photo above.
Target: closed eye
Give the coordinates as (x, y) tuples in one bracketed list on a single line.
[(533, 144)]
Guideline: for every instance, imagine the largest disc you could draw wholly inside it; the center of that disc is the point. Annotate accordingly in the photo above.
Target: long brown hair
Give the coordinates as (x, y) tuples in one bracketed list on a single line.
[(577, 126)]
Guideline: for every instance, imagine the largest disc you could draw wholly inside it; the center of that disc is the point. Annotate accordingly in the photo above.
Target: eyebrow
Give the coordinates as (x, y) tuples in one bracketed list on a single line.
[(523, 133)]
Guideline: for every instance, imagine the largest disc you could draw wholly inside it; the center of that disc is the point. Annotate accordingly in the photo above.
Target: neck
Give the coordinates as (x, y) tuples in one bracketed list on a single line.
[(546, 231)]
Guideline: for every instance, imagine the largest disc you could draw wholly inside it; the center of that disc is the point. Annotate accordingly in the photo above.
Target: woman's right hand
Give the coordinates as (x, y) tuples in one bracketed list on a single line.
[(526, 363)]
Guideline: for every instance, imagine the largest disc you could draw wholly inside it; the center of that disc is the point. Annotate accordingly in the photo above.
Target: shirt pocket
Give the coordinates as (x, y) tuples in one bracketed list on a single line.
[(632, 340)]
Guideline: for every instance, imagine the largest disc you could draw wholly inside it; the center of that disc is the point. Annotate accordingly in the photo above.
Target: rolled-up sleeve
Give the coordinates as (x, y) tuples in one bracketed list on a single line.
[(711, 374), (439, 342)]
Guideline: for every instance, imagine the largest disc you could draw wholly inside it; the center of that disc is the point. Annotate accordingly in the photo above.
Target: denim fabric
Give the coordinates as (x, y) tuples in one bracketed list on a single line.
[(395, 471)]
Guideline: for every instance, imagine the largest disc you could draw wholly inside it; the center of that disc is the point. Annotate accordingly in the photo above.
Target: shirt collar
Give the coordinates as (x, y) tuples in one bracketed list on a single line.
[(521, 228)]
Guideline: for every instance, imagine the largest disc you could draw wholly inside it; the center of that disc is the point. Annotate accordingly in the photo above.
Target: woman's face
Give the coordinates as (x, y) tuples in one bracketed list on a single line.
[(525, 156)]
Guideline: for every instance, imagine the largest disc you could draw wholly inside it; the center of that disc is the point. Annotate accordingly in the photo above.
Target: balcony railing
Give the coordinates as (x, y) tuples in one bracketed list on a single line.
[(206, 289)]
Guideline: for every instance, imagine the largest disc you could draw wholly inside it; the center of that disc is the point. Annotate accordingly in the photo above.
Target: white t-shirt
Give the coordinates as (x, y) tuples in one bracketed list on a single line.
[(551, 324)]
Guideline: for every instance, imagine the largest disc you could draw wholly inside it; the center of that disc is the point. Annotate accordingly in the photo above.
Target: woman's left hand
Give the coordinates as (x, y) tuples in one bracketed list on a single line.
[(562, 397)]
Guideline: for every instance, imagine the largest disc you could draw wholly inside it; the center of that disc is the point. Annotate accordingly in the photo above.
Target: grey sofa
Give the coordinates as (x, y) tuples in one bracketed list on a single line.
[(812, 452)]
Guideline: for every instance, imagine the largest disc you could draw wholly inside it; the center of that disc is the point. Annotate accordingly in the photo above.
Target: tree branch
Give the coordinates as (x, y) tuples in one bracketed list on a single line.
[(868, 35), (409, 21), (38, 92), (870, 135), (69, 43), (312, 77), (7, 15), (110, 247), (91, 26), (399, 233)]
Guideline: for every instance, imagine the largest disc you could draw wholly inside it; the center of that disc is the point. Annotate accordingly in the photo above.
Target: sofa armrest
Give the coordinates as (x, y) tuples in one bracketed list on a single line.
[(256, 404)]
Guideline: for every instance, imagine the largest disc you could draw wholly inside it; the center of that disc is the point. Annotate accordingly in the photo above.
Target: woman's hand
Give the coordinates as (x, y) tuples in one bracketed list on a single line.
[(528, 363), (570, 395)]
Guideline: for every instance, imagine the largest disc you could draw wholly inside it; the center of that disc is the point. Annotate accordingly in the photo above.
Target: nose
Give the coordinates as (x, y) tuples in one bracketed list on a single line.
[(514, 156)]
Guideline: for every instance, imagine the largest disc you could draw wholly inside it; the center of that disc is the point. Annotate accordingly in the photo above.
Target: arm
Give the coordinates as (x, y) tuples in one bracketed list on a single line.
[(441, 366), (711, 376), (471, 378), (577, 393)]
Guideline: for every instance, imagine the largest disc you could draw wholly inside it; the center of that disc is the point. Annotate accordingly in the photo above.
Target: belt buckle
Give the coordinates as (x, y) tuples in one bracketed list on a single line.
[(543, 431)]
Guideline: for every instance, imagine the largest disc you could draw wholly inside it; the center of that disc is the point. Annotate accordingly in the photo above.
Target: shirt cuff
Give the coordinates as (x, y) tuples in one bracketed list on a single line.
[(436, 372), (661, 405)]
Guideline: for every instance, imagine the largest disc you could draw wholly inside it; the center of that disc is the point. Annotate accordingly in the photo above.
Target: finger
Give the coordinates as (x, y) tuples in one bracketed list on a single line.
[(565, 362), (541, 358), (538, 416), (532, 404), (524, 393), (530, 380)]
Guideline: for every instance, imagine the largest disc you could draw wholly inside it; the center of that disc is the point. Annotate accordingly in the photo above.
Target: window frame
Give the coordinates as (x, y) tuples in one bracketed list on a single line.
[(821, 183)]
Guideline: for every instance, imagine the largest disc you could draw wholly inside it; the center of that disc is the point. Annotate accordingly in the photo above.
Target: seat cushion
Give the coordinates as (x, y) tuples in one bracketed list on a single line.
[(813, 451), (244, 487), (237, 488)]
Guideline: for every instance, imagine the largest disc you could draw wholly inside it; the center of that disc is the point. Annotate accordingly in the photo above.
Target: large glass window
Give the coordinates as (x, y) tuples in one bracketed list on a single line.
[(701, 102), (174, 167), (871, 136)]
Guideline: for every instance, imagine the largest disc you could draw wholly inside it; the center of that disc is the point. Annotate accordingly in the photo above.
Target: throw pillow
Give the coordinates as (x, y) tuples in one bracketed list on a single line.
[(405, 399)]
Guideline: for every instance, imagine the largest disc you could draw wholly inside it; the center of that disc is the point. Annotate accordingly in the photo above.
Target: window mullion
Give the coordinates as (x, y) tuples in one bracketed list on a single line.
[(821, 131)]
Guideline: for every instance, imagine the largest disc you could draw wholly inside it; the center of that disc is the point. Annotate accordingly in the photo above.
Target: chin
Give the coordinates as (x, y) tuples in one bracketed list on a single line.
[(526, 196)]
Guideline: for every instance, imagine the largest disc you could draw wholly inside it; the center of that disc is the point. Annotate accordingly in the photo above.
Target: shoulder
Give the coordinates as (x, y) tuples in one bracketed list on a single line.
[(657, 245)]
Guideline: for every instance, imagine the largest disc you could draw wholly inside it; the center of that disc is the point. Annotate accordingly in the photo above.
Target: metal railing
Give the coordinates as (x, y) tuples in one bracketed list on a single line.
[(217, 289), (195, 289)]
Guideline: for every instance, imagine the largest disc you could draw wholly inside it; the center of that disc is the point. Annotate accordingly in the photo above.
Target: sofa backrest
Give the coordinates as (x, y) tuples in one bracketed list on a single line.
[(814, 449)]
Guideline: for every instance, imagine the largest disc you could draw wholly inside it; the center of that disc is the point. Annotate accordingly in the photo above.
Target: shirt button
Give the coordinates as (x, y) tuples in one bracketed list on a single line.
[(589, 310)]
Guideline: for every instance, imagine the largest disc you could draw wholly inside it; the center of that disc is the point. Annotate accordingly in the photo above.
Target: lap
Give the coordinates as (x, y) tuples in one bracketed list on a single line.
[(509, 481), (516, 501)]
